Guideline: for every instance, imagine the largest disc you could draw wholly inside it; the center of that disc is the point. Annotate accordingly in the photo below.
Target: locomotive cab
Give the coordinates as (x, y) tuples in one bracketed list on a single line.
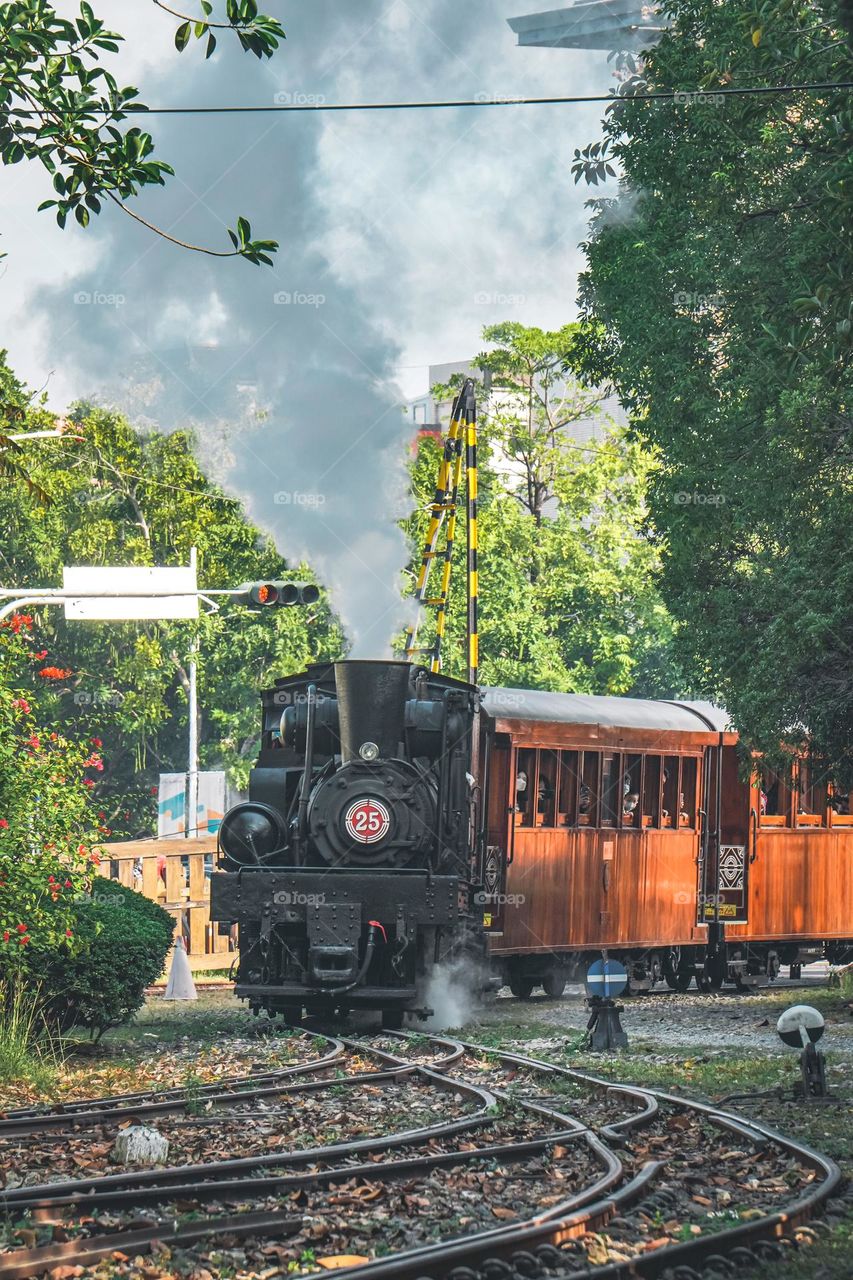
[(349, 868)]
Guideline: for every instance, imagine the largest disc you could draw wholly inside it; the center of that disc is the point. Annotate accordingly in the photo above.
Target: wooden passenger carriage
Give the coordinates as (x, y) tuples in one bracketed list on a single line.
[(625, 825)]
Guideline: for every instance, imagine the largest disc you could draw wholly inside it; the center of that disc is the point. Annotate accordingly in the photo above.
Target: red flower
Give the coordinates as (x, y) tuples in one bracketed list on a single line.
[(5, 935), (23, 941), (96, 742), (19, 620), (153, 790), (33, 742), (68, 933), (22, 705), (67, 884), (40, 657), (4, 822), (22, 928), (50, 879), (87, 782), (55, 673)]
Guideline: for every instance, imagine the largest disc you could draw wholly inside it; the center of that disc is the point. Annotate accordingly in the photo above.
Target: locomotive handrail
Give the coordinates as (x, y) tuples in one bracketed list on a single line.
[(305, 788), (753, 824)]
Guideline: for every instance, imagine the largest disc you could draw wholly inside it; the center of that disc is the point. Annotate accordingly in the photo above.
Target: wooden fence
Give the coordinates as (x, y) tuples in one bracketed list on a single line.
[(175, 873)]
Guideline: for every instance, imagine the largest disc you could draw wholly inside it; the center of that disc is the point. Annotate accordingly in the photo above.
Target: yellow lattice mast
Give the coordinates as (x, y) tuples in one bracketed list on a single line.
[(460, 447)]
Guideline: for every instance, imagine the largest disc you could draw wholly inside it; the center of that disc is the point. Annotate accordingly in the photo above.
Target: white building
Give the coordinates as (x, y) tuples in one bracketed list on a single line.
[(627, 25)]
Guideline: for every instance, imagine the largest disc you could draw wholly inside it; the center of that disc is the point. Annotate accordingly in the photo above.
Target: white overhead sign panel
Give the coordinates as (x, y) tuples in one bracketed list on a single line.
[(110, 593)]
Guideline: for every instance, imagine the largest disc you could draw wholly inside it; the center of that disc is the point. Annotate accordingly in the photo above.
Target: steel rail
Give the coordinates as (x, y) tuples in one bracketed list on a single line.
[(26, 1262), (254, 1078), (163, 1178)]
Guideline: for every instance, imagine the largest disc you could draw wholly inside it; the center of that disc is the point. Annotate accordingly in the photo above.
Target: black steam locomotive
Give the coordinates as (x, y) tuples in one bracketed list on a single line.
[(351, 868)]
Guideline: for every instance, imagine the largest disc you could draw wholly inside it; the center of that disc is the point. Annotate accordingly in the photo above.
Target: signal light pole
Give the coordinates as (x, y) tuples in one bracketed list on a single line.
[(100, 593)]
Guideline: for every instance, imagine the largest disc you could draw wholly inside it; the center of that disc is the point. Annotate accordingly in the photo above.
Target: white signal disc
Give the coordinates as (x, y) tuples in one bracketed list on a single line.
[(367, 821)]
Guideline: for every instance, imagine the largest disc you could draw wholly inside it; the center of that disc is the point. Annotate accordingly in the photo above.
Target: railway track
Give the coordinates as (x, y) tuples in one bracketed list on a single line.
[(460, 1160)]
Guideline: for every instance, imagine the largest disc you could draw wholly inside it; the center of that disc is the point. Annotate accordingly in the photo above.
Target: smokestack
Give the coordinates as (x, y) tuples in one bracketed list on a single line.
[(371, 705)]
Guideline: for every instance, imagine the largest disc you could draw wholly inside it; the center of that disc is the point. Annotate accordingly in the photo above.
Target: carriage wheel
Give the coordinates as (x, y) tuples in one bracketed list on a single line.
[(521, 988), (554, 984), (392, 1019)]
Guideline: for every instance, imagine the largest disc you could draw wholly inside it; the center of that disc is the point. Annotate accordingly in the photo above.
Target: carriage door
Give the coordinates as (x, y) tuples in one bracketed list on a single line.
[(499, 817), (725, 849)]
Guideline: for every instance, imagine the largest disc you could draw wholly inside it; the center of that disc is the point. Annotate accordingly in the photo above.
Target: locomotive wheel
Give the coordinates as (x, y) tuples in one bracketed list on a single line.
[(554, 984), (521, 988), (392, 1019), (292, 1014)]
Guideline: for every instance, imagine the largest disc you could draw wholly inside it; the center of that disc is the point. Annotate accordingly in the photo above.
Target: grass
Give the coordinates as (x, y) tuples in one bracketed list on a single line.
[(28, 1052)]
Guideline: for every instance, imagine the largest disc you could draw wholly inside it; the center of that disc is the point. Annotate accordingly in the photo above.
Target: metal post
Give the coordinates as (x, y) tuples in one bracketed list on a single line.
[(191, 822), (473, 577)]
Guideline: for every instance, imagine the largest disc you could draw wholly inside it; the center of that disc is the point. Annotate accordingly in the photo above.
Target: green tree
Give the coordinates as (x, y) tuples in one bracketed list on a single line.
[(568, 600), (717, 300), (123, 497), (61, 107)]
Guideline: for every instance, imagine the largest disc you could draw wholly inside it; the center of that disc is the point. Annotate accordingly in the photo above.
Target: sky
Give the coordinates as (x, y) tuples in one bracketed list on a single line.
[(402, 235)]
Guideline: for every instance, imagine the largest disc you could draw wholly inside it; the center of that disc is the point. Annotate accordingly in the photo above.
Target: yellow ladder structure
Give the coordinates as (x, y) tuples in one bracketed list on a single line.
[(460, 447)]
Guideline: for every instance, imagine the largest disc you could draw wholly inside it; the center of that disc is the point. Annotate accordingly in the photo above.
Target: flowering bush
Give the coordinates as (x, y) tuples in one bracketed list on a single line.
[(47, 826)]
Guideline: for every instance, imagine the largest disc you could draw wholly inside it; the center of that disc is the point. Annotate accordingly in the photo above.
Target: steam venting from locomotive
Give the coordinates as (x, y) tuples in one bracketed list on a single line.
[(349, 869)]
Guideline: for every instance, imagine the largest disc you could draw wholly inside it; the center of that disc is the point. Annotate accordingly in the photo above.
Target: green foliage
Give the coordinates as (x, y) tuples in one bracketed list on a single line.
[(121, 497), (62, 107), (717, 300), (124, 940), (46, 820), (568, 600)]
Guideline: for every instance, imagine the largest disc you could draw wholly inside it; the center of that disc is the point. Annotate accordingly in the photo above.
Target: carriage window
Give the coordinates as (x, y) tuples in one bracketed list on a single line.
[(651, 792), (687, 797), (632, 789), (611, 791), (546, 794), (811, 794), (588, 790), (669, 812), (525, 787), (567, 805), (774, 797)]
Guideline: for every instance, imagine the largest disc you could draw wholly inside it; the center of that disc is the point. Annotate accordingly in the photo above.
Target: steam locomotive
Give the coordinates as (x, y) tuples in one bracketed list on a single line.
[(402, 823), (350, 869)]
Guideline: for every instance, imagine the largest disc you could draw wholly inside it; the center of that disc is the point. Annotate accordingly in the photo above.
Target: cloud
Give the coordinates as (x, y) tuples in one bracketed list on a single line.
[(401, 236)]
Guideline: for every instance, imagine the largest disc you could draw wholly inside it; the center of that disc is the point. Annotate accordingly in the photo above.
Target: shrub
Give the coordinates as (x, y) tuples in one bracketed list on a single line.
[(47, 824), (123, 940)]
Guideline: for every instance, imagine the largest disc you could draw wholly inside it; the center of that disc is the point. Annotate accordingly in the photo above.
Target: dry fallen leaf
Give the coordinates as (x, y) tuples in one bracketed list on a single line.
[(338, 1260)]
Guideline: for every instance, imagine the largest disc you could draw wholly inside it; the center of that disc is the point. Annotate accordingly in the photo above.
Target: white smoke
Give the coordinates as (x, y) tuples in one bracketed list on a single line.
[(401, 236), (453, 995)]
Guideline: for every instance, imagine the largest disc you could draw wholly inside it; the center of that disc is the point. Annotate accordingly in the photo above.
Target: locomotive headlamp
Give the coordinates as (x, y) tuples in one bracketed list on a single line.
[(369, 751)]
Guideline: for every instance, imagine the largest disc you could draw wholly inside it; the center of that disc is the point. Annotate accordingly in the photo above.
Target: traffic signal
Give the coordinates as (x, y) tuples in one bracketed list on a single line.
[(262, 595)]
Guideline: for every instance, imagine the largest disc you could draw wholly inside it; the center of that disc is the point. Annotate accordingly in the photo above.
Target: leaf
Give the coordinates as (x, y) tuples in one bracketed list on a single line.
[(756, 37), (182, 36), (338, 1260)]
